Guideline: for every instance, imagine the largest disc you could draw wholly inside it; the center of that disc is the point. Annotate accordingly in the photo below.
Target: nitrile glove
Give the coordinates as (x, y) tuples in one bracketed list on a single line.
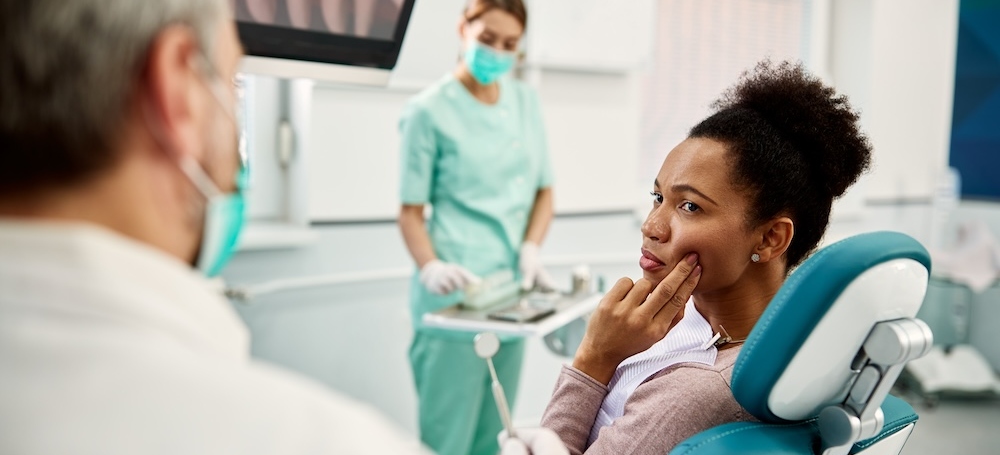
[(531, 441), (532, 273), (444, 278)]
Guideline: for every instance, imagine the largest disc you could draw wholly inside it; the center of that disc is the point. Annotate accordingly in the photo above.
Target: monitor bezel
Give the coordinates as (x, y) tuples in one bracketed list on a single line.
[(284, 43)]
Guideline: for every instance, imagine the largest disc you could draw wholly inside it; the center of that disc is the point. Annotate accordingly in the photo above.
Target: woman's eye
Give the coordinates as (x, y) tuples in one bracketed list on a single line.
[(657, 197), (689, 206)]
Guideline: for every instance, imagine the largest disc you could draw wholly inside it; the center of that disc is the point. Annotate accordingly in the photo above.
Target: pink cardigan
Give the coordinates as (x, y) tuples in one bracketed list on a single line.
[(672, 405)]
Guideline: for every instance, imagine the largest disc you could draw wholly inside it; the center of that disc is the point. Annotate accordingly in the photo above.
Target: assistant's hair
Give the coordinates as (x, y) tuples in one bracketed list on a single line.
[(477, 8), (69, 67), (794, 144)]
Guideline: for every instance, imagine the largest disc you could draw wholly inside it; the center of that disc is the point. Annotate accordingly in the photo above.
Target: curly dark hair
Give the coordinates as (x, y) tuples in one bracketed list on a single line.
[(794, 144)]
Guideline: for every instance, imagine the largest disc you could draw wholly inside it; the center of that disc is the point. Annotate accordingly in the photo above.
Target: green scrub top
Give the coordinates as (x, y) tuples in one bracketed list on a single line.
[(480, 167)]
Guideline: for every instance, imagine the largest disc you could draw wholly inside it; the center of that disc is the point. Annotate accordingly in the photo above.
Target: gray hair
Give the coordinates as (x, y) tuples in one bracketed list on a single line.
[(68, 69)]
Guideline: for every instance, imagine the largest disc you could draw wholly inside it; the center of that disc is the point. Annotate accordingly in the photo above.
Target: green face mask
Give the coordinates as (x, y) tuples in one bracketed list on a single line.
[(487, 64), (223, 224), (224, 219), (224, 213)]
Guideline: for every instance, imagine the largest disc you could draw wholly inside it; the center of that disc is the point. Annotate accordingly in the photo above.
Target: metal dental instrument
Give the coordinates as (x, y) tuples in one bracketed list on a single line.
[(487, 344)]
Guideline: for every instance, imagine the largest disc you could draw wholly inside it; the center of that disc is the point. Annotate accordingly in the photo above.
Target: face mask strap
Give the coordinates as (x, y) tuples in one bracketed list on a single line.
[(199, 178), (194, 171), (214, 86)]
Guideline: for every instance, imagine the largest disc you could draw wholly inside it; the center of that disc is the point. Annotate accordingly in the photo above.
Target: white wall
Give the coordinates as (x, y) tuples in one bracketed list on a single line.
[(430, 46), (895, 59), (590, 35), (591, 121), (354, 153), (589, 101)]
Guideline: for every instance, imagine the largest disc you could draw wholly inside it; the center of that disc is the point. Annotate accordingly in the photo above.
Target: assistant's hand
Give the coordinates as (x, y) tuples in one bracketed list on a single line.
[(631, 319), (532, 272), (531, 441), (444, 278)]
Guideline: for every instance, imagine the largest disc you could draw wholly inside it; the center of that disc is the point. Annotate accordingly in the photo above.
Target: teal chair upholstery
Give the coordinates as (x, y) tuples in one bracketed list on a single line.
[(817, 368)]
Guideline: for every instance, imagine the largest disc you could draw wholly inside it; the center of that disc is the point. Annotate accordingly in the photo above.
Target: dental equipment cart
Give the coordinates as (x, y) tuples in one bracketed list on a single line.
[(498, 305), (543, 314)]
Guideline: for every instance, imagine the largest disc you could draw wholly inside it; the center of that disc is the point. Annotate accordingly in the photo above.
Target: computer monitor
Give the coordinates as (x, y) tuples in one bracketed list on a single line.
[(347, 41)]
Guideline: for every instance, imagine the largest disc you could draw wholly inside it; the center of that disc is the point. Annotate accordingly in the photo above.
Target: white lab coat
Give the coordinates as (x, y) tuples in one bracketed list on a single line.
[(108, 346)]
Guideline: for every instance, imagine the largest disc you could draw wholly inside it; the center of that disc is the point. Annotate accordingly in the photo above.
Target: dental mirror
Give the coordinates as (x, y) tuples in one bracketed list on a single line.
[(487, 344)]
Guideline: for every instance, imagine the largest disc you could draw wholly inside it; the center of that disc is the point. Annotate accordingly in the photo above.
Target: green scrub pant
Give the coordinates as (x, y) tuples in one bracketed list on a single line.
[(458, 415)]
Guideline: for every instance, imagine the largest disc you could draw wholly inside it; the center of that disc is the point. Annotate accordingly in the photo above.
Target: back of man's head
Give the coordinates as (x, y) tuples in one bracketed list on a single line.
[(69, 72)]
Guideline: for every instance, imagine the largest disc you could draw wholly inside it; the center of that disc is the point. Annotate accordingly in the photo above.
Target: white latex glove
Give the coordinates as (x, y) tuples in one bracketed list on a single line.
[(444, 278), (531, 441), (532, 272)]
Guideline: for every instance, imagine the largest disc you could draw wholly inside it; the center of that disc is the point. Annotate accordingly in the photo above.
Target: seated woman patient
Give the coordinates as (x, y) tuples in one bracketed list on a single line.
[(739, 203)]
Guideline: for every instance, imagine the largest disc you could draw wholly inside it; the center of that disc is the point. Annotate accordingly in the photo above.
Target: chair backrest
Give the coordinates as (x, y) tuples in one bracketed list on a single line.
[(825, 353)]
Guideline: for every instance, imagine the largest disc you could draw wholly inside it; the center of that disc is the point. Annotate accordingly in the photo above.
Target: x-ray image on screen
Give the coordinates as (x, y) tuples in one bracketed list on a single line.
[(373, 19)]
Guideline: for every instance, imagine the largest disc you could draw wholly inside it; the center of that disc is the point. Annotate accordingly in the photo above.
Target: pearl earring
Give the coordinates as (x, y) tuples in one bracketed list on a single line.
[(755, 257)]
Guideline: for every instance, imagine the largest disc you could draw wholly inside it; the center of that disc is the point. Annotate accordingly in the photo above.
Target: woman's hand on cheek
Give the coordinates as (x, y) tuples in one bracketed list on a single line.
[(630, 319)]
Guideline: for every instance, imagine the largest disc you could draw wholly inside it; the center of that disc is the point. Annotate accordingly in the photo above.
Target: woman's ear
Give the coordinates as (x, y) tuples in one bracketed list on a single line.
[(462, 23), (776, 236)]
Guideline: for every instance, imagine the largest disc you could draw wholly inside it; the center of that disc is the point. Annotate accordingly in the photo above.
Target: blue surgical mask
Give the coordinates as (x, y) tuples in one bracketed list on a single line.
[(224, 213), (487, 64)]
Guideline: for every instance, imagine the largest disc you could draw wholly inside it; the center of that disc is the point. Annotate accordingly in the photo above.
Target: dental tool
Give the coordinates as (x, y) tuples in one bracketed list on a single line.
[(487, 344)]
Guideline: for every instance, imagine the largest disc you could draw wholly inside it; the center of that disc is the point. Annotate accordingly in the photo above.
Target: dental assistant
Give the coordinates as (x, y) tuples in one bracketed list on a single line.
[(473, 148)]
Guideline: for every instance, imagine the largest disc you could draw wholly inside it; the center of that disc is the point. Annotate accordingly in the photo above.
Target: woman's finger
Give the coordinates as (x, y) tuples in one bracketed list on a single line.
[(639, 292), (676, 303), (619, 290), (450, 280), (669, 286)]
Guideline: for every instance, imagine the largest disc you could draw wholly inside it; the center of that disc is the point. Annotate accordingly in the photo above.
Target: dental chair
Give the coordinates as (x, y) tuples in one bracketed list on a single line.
[(818, 366)]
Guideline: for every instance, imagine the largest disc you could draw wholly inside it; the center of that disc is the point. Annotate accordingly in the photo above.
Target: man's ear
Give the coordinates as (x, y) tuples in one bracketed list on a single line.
[(169, 90), (776, 236)]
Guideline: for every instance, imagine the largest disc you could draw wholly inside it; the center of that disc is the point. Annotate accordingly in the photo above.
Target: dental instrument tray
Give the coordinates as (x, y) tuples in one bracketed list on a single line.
[(534, 313), (493, 290)]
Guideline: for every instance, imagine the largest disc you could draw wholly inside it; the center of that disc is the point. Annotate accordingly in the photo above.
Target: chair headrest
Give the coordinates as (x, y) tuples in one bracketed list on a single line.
[(798, 357)]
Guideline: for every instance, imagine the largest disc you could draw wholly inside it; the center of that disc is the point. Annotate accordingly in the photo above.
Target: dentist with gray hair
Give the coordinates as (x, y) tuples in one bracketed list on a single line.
[(120, 191)]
